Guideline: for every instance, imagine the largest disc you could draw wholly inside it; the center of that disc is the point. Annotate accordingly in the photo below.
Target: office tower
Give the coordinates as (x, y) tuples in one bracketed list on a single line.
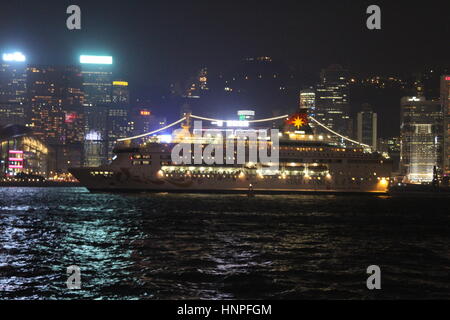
[(366, 123), (120, 93), (45, 96), (145, 121), (246, 115), (96, 135), (118, 122), (97, 88), (55, 100), (118, 126), (332, 105), (308, 101), (97, 79), (445, 104), (421, 138), (13, 89)]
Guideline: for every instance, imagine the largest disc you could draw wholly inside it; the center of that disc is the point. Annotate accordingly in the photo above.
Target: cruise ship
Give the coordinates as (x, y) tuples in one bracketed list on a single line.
[(307, 162)]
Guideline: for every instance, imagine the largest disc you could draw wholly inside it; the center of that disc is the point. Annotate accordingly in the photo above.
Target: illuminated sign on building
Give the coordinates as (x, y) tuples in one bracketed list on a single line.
[(15, 161), (145, 113), (447, 78), (120, 83), (96, 59), (93, 136), (71, 117), (15, 56)]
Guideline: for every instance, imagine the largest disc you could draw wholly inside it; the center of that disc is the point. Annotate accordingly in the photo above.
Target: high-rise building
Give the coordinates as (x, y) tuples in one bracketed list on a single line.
[(13, 89), (56, 116), (118, 122), (120, 93), (366, 126), (97, 79), (332, 105), (445, 104), (97, 87), (45, 98), (421, 138), (308, 101), (145, 121)]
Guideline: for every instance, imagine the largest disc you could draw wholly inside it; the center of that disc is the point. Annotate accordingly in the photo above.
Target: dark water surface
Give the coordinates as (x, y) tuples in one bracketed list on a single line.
[(172, 246)]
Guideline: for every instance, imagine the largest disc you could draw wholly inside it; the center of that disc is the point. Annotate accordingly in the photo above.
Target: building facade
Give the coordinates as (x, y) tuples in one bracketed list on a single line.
[(22, 152), (332, 104), (421, 138), (445, 104), (366, 127), (55, 99), (12, 90)]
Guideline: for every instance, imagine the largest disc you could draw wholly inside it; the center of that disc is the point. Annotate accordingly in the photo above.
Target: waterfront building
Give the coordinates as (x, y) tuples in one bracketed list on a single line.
[(421, 138), (445, 104), (22, 151)]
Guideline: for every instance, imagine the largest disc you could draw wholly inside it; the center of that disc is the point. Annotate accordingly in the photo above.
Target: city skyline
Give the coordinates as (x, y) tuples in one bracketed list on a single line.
[(219, 153)]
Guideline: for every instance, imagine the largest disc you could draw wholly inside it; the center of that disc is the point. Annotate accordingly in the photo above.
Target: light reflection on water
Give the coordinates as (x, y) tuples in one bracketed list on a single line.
[(168, 246)]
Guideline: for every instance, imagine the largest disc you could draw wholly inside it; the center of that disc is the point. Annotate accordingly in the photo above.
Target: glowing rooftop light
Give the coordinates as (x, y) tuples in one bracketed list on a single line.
[(15, 56), (96, 59)]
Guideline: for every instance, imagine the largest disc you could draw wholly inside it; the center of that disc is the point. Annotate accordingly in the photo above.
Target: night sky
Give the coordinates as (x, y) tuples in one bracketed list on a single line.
[(155, 43), (168, 40)]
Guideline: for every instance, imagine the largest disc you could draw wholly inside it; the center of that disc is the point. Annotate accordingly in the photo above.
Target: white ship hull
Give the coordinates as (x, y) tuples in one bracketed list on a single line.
[(125, 180)]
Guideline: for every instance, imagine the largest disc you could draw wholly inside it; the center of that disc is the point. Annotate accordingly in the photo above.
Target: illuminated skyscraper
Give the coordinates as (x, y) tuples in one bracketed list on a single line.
[(45, 97), (445, 103), (118, 122), (366, 123), (13, 89), (332, 105), (308, 101), (97, 79), (120, 93), (55, 100), (97, 87), (421, 138)]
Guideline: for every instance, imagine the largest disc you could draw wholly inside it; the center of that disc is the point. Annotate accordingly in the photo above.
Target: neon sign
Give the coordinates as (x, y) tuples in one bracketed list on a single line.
[(15, 56), (96, 59)]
